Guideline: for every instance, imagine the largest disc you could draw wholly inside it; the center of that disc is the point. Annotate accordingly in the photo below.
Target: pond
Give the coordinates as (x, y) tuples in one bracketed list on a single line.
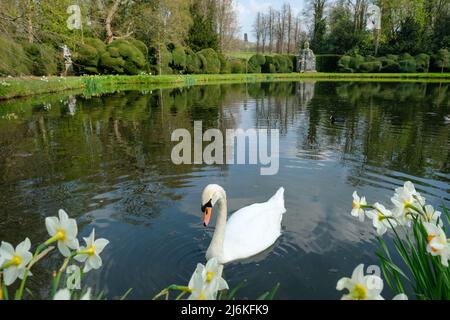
[(107, 161)]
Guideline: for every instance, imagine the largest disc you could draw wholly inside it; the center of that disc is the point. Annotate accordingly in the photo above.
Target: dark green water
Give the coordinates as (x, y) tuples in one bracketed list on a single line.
[(106, 161)]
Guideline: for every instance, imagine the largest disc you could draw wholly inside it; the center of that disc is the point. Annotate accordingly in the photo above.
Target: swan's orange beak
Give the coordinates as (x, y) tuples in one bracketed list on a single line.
[(207, 216)]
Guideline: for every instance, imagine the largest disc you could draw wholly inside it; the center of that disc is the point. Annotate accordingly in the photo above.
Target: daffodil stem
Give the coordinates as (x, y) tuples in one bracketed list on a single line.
[(61, 270), (173, 287), (19, 293)]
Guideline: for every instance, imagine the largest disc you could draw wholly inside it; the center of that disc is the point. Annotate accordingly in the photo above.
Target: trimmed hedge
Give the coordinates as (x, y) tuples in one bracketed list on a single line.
[(44, 59), (327, 62), (404, 63), (210, 61)]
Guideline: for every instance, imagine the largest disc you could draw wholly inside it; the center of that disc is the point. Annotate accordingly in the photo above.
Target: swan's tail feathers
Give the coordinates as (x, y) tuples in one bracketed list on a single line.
[(278, 199)]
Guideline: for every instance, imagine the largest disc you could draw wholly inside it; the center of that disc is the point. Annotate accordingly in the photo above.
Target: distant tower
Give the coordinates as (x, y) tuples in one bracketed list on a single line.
[(246, 41)]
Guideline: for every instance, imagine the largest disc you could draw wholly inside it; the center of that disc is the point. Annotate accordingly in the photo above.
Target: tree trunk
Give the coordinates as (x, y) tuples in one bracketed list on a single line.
[(109, 18)]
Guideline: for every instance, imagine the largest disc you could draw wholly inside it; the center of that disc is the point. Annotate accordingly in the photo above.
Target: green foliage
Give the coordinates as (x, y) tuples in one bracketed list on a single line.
[(408, 66), (255, 63), (344, 64), (225, 66), (238, 66), (44, 59), (179, 58), (441, 60), (422, 62), (122, 57), (202, 34), (327, 62), (210, 61), (193, 62), (87, 56), (13, 58), (389, 65)]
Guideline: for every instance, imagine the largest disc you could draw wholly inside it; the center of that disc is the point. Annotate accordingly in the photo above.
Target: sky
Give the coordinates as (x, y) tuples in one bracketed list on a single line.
[(248, 9)]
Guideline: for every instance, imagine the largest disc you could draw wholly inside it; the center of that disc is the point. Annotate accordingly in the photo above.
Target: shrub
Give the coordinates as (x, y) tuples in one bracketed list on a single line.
[(441, 60), (237, 66), (178, 58), (122, 57), (225, 67), (422, 62), (356, 62), (44, 59), (327, 62), (408, 65), (371, 66), (193, 62), (269, 66), (13, 58), (344, 64), (210, 61), (139, 45), (256, 63), (389, 66), (87, 56)]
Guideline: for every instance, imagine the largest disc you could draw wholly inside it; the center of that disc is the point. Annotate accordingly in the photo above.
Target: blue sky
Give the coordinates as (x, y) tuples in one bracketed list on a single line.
[(247, 10)]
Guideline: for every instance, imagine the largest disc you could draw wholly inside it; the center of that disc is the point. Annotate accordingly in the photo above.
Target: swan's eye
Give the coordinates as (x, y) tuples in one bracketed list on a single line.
[(208, 205)]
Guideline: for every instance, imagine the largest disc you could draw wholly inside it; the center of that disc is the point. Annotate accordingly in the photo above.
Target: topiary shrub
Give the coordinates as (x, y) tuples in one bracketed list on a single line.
[(422, 62), (87, 56), (140, 45), (370, 66), (356, 62), (122, 57), (344, 64), (255, 63), (327, 62), (225, 67), (13, 59), (210, 61), (44, 59), (408, 65), (392, 57), (193, 62), (237, 66), (389, 66), (179, 59), (269, 66)]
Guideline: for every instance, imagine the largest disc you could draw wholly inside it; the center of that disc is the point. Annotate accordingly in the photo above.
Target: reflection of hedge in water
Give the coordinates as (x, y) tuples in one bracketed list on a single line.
[(399, 92)]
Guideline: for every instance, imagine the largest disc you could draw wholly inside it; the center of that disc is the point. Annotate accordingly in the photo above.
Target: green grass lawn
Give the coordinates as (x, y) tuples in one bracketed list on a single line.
[(21, 87)]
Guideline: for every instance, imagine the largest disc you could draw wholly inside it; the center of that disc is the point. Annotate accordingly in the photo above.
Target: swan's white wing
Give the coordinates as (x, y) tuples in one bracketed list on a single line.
[(253, 229)]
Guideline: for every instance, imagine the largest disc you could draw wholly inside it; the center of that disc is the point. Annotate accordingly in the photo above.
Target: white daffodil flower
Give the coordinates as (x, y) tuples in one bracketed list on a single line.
[(357, 206), (207, 281), (91, 253), (64, 231), (198, 289), (65, 294), (405, 199), (401, 296), (360, 286), (15, 261), (432, 216), (438, 244), (382, 218)]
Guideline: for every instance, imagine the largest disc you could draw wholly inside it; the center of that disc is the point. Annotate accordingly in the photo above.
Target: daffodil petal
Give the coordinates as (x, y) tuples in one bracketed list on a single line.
[(63, 294), (81, 257), (100, 244), (6, 251), (10, 275), (23, 247), (63, 249), (95, 262), (52, 224)]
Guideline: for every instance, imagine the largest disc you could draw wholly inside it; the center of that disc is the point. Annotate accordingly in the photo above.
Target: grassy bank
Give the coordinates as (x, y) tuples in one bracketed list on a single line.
[(22, 87)]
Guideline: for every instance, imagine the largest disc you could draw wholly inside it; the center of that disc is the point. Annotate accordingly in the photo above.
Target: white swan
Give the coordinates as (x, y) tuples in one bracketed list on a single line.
[(248, 232)]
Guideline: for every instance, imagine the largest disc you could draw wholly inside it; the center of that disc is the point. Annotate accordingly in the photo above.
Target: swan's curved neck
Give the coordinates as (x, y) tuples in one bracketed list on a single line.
[(216, 247)]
